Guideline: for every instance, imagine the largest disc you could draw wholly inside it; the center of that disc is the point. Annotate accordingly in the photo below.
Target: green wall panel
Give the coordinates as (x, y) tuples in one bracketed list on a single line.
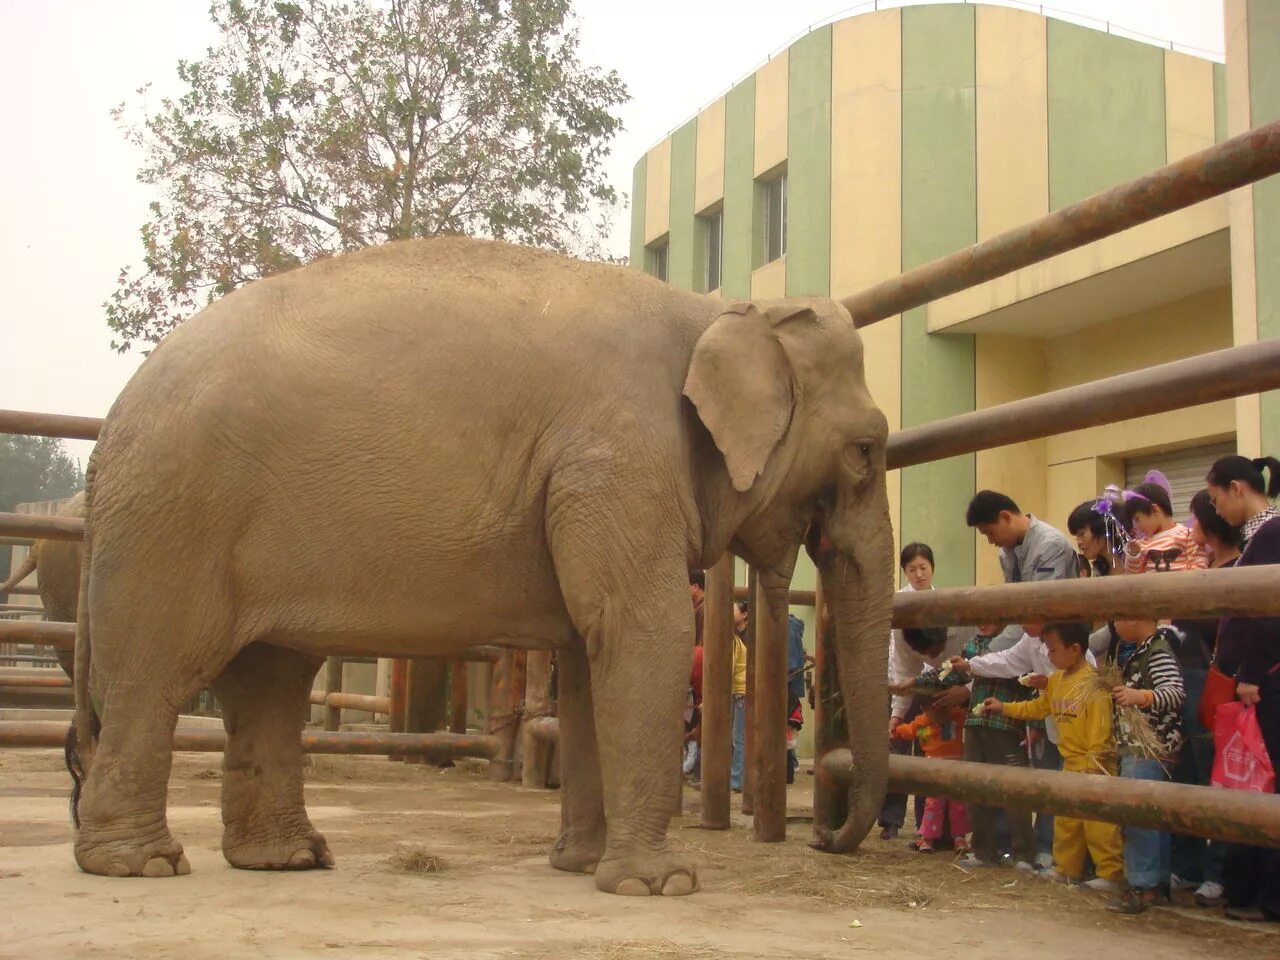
[(739, 187), (939, 215), (1106, 111), (809, 165), (1264, 106), (683, 256), (1219, 102), (639, 190)]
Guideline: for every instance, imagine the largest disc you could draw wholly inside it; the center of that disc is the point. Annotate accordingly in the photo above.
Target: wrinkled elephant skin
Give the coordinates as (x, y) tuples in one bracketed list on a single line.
[(547, 445)]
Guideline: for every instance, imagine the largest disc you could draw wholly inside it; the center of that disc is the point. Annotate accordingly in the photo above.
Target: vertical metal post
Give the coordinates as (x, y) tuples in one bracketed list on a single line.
[(769, 610), (537, 703), (502, 716), (425, 698), (830, 800), (717, 694), (750, 753), (398, 694), (457, 696), (332, 684)]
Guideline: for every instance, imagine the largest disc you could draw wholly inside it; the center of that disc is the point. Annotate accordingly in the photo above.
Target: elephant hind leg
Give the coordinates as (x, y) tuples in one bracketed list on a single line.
[(582, 826), (264, 693), (123, 830)]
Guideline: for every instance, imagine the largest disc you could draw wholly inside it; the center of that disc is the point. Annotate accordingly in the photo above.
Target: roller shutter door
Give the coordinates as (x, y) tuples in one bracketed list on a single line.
[(1184, 468)]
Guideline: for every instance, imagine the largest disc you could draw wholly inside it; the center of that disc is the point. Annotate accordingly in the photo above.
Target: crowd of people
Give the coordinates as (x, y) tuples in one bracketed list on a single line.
[(1129, 698)]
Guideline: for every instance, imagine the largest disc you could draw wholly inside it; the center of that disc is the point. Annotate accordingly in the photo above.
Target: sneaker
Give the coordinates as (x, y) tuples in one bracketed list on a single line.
[(961, 847), (1044, 860), (1054, 876), (1103, 885), (1134, 901), (924, 846), (889, 833), (1025, 867), (1177, 883), (1210, 894), (971, 861)]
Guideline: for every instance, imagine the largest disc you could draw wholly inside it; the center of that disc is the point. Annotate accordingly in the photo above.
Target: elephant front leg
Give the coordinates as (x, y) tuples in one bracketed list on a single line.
[(582, 826), (263, 693), (640, 655)]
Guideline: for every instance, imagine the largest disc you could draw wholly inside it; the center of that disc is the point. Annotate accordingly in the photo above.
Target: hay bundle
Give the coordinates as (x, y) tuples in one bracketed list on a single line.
[(1130, 724)]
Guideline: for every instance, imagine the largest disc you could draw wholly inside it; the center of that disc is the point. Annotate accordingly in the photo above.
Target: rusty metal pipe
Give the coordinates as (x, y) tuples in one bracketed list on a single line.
[(1236, 816), (441, 746), (1246, 592), (351, 701), (333, 669), (536, 766), (1219, 169), (1220, 375), (50, 679), (544, 729), (61, 636), (40, 527), (49, 425)]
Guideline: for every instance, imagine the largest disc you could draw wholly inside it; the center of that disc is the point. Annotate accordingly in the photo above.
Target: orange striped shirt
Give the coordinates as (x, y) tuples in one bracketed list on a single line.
[(1172, 549)]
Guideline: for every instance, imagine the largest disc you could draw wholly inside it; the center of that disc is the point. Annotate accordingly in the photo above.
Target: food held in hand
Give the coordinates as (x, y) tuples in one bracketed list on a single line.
[(977, 710), (945, 670), (1025, 679)]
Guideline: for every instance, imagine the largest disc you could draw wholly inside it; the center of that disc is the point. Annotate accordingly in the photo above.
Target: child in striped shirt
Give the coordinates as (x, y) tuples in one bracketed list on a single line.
[(1164, 544)]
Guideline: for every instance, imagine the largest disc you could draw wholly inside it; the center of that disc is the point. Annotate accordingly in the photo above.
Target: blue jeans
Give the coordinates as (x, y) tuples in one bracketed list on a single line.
[(1147, 853), (739, 738), (1045, 756)]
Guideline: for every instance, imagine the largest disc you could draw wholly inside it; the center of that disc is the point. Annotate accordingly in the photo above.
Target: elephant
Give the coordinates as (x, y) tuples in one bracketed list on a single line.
[(58, 564), (549, 445)]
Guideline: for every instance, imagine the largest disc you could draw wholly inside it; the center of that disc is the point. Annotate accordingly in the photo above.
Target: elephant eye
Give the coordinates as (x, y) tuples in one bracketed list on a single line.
[(864, 449)]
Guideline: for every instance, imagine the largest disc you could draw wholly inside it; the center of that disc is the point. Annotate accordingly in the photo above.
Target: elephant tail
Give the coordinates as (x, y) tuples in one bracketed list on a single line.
[(28, 567), (82, 737)]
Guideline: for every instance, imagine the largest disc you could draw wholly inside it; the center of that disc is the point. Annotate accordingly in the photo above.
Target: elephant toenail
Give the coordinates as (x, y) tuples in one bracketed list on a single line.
[(118, 869), (157, 867), (679, 885), (633, 887), (184, 865), (302, 860)]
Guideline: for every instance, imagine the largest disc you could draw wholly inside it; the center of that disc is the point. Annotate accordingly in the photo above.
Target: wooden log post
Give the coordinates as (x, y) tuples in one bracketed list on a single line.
[(830, 800), (502, 716), (333, 684), (425, 700), (399, 689), (717, 694), (537, 704), (457, 696), (749, 742), (769, 610)]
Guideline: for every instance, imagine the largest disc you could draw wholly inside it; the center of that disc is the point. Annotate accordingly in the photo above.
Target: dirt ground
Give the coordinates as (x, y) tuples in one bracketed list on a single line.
[(442, 864)]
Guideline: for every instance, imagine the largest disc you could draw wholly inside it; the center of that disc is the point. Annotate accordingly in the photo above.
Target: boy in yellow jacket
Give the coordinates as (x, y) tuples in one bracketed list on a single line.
[(1083, 718)]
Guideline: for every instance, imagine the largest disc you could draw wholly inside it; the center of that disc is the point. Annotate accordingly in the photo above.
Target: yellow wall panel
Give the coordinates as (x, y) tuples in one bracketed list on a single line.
[(769, 281), (1013, 119), (709, 180), (1187, 328), (882, 361), (1188, 104), (1008, 369), (866, 185), (657, 196), (771, 114)]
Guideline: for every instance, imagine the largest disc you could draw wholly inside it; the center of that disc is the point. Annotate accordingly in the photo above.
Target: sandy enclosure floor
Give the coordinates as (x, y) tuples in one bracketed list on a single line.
[(442, 864)]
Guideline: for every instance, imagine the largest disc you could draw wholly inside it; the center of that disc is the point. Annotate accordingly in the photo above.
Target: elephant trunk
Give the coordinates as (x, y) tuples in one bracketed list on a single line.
[(858, 583), (27, 568)]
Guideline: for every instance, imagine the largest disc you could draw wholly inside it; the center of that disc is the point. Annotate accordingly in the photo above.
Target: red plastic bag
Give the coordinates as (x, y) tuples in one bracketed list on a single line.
[(1240, 760)]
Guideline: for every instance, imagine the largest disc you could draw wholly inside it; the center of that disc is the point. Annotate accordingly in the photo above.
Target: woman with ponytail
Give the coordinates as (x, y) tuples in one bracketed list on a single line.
[(1249, 651)]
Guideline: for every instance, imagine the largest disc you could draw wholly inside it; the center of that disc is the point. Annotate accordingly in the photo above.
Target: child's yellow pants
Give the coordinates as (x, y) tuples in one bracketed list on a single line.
[(1073, 838)]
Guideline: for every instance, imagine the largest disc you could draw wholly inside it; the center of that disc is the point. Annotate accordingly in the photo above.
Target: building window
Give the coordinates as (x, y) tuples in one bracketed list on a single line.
[(775, 218), (712, 250), (657, 260)]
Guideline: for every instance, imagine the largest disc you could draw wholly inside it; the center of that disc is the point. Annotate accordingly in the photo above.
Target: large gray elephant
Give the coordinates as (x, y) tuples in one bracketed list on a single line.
[(56, 564), (549, 445)]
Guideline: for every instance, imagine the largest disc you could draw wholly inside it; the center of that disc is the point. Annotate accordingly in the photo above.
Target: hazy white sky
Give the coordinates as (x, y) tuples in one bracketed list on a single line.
[(70, 208)]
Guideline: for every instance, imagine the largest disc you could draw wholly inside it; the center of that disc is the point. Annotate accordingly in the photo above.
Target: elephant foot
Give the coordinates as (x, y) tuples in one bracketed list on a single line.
[(305, 851), (161, 857), (647, 874), (578, 852)]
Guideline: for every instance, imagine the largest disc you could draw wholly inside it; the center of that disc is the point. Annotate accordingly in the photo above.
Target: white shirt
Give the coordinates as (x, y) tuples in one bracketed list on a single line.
[(905, 664)]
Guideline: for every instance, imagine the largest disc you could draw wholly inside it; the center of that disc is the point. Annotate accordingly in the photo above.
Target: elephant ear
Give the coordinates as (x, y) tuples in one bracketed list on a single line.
[(743, 385)]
